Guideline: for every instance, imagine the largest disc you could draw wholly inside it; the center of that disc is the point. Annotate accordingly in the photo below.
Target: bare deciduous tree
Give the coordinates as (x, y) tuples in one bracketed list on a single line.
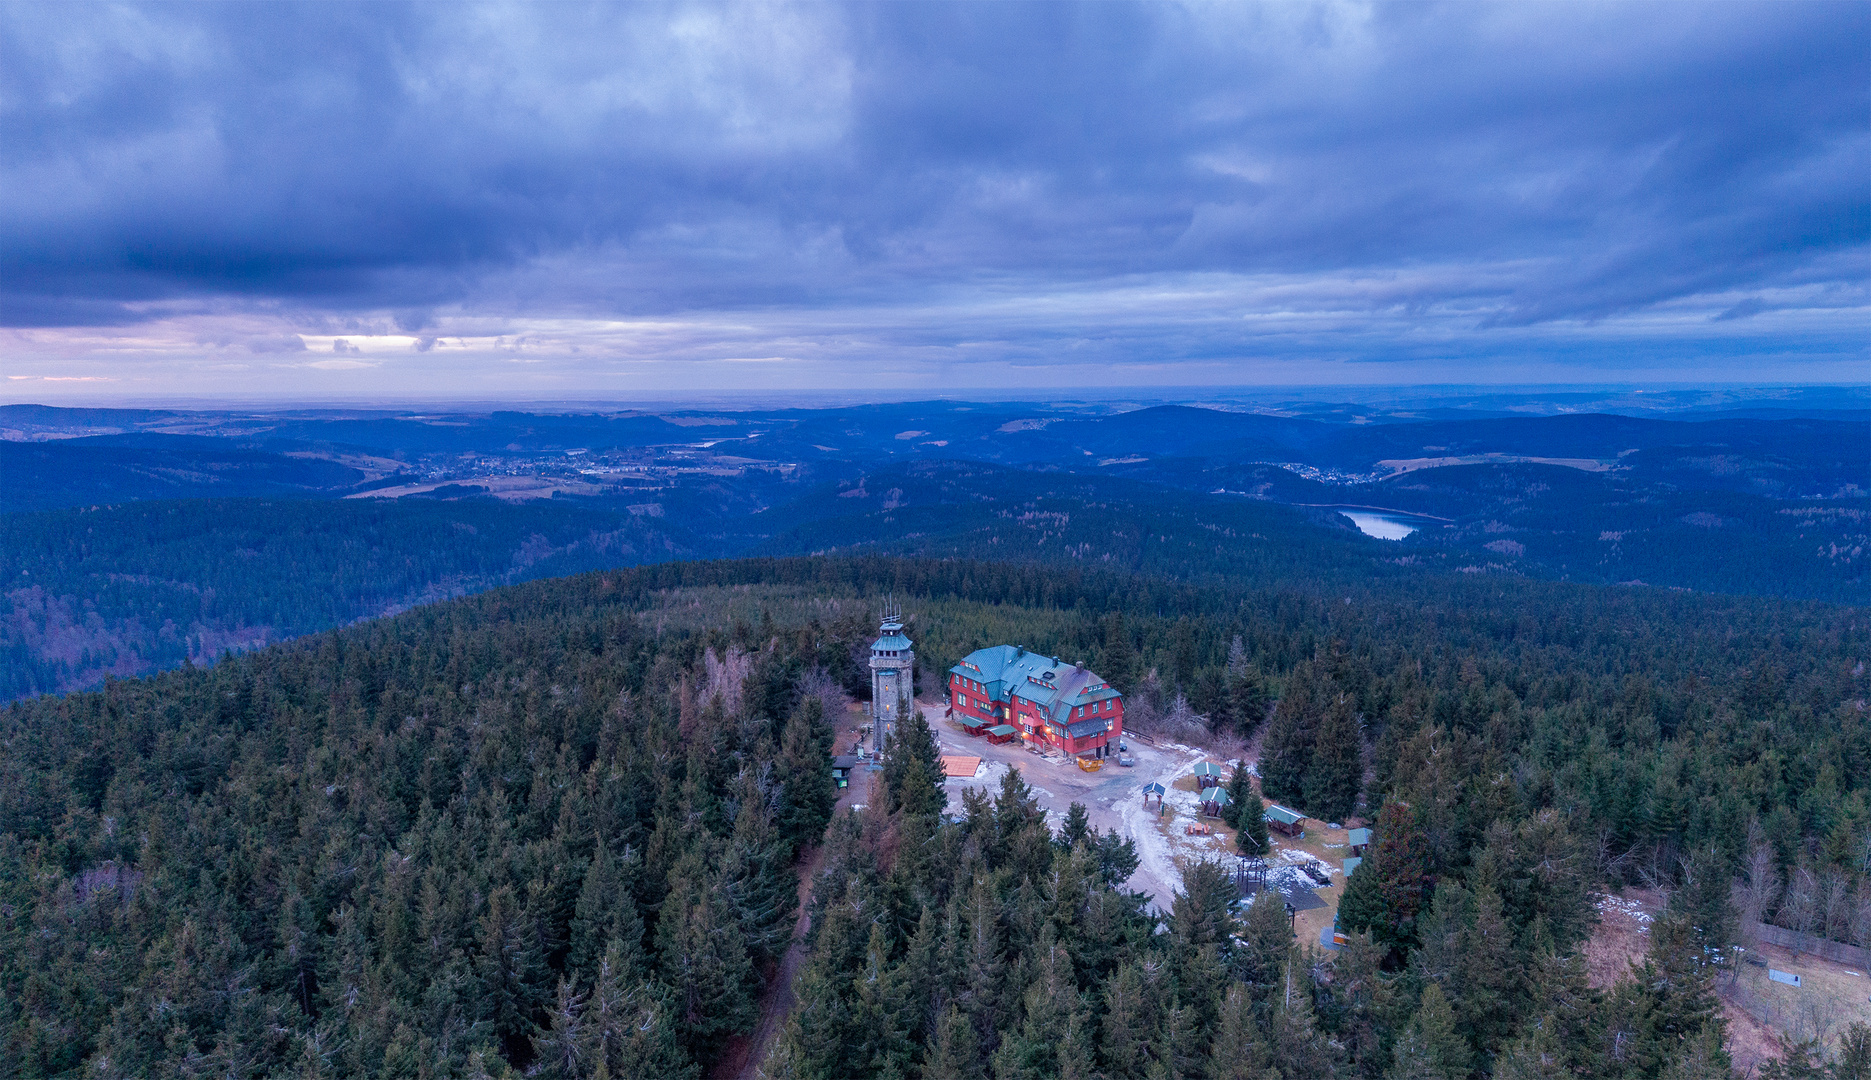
[(1800, 910), (1757, 890)]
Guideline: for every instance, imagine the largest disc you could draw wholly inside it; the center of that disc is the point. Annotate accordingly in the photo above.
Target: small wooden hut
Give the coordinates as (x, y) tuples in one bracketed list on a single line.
[(1214, 801), (1150, 790), (1359, 839), (1000, 733), (1207, 774), (1286, 822)]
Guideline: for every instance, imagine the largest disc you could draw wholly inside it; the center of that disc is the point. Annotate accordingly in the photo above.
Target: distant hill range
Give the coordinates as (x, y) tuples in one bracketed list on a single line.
[(135, 539)]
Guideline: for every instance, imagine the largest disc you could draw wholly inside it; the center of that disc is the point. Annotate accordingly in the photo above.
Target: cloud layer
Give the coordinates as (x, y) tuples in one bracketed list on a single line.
[(577, 198)]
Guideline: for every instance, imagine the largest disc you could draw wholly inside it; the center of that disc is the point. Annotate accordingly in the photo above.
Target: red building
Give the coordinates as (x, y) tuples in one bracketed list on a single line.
[(1057, 705)]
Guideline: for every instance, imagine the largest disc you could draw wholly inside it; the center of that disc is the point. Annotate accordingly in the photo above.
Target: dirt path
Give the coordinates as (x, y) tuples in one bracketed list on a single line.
[(1112, 796), (746, 1053)]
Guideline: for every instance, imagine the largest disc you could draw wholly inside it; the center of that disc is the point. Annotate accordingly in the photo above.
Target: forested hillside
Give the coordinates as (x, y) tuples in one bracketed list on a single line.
[(547, 829), (131, 540), (129, 589)]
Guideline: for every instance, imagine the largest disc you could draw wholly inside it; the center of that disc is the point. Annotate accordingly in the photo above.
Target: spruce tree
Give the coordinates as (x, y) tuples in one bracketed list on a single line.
[(1177, 1047), (1117, 857), (1294, 1036), (1431, 1047), (1238, 783), (1076, 829), (1118, 661), (1239, 1050), (953, 1055), (1286, 753), (1336, 771), (804, 771), (1251, 821), (1491, 985), (1267, 933), (1397, 882), (911, 751), (1126, 1024), (882, 1016)]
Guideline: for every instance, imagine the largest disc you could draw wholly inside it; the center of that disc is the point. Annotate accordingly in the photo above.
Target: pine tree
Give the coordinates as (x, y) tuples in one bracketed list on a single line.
[(954, 1055), (704, 958), (1251, 821), (1076, 829), (1239, 1050), (1389, 890), (1286, 753), (1336, 773), (1118, 662), (1431, 1047), (881, 1013), (804, 772), (1177, 1048), (1127, 1023), (1260, 961), (912, 767), (1491, 985)]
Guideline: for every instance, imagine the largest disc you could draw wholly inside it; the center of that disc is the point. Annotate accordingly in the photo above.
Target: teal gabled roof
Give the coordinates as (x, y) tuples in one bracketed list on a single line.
[(1008, 671)]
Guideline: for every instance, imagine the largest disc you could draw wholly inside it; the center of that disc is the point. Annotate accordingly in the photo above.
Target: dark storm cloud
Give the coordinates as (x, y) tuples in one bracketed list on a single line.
[(1489, 166)]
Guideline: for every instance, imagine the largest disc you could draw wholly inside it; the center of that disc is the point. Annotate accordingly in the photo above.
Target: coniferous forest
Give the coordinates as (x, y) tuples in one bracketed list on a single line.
[(549, 831)]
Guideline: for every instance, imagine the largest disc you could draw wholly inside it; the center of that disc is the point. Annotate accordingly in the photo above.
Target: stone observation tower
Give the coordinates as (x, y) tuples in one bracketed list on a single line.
[(893, 675)]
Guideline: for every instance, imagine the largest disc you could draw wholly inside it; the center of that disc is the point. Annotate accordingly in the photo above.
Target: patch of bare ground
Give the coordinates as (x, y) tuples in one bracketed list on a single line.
[(1761, 1013), (1623, 934)]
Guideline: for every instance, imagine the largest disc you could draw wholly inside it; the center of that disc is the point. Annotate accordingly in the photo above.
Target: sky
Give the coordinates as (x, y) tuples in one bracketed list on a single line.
[(561, 201)]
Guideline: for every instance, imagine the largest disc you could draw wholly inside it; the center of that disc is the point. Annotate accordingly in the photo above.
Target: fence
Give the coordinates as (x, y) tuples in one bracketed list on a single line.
[(1836, 951)]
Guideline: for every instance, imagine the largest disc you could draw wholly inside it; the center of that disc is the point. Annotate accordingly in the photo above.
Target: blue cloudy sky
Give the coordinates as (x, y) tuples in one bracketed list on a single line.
[(552, 201)]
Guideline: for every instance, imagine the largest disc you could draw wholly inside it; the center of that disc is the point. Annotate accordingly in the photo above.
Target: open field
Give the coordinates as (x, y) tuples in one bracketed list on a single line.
[(1759, 1012)]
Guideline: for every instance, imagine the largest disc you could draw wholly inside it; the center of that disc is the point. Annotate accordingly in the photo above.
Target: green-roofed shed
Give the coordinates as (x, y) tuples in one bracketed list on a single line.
[(1359, 839), (1289, 822), (1000, 733), (1207, 773), (1214, 801)]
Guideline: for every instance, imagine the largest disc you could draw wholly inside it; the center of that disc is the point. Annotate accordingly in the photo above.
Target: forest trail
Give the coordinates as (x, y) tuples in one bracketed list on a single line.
[(746, 1053)]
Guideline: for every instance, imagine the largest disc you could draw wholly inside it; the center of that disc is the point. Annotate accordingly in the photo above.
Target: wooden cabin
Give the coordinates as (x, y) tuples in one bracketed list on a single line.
[(1286, 822)]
